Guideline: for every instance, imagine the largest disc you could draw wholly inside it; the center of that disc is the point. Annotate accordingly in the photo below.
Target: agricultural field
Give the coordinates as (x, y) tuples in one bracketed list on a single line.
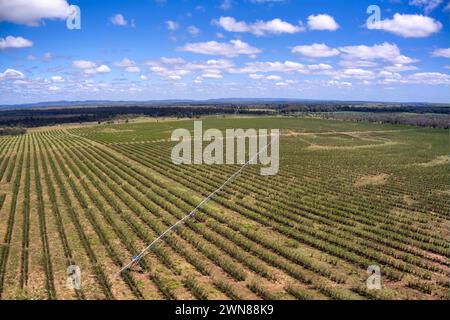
[(347, 196)]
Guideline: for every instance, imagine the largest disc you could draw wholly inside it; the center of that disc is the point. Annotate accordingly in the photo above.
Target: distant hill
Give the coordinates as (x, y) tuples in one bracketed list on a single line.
[(220, 101)]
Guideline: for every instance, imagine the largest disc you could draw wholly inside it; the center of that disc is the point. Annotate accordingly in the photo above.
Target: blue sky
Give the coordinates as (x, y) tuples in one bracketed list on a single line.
[(142, 50)]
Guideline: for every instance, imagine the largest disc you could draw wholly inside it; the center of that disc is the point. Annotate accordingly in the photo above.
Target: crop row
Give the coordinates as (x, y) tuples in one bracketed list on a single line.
[(49, 280), (5, 249), (320, 213), (122, 168), (355, 260), (171, 200), (100, 275)]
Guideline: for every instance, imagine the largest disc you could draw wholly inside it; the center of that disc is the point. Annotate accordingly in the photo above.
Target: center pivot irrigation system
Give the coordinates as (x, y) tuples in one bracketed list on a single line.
[(138, 258)]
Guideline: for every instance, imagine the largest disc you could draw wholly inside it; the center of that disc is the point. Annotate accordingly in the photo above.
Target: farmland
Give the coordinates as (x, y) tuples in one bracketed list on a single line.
[(348, 195)]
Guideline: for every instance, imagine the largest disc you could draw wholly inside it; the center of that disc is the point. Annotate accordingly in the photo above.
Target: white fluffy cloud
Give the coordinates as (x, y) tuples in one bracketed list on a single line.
[(385, 51), (31, 12), (316, 50), (258, 28), (233, 48), (176, 68), (256, 76), (212, 74), (274, 78), (261, 67), (124, 63), (398, 67), (442, 53), (57, 79), (11, 74), (276, 66), (357, 73), (54, 88), (172, 25), (118, 20), (422, 78), (14, 42), (128, 65), (193, 30), (84, 64), (322, 22), (165, 72), (337, 84), (430, 78), (90, 67), (133, 69), (319, 67), (410, 25), (102, 69), (254, 69)]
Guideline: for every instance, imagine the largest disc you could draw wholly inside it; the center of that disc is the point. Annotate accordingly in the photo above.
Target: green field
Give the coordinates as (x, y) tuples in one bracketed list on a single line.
[(348, 195)]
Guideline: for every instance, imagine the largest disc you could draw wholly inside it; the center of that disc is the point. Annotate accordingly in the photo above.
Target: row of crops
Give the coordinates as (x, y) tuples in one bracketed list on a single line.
[(308, 233)]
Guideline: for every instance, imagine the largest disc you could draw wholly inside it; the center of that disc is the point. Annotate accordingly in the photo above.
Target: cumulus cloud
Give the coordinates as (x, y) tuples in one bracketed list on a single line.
[(256, 76), (410, 25), (276, 66), (193, 30), (133, 69), (429, 78), (387, 77), (319, 67), (31, 12), (351, 63), (213, 64), (258, 28), (54, 88), (398, 67), (11, 74), (90, 67), (169, 73), (84, 64), (172, 60), (274, 78), (254, 69), (118, 20), (172, 25), (357, 73), (124, 63), (128, 65), (338, 84), (57, 79), (102, 69), (322, 22), (232, 48), (385, 51), (176, 68), (212, 74), (445, 52), (193, 65), (316, 50), (14, 42)]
